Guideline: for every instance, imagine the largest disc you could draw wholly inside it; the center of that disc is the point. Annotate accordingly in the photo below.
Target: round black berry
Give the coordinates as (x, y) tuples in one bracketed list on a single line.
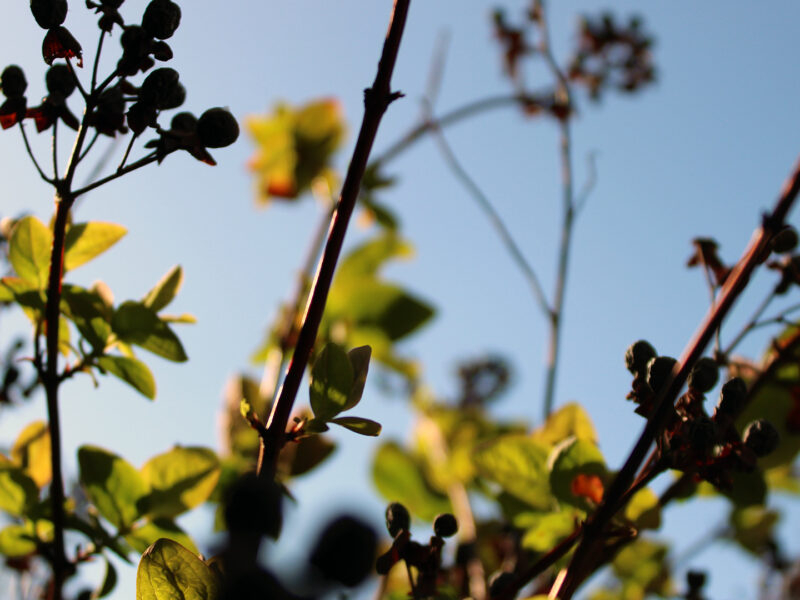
[(785, 241), (217, 128), (162, 89), (397, 519), (13, 82), (161, 18), (732, 397), (184, 121), (49, 13), (695, 580), (59, 80), (659, 370), (704, 375), (702, 434), (445, 525), (761, 437), (345, 551), (638, 355)]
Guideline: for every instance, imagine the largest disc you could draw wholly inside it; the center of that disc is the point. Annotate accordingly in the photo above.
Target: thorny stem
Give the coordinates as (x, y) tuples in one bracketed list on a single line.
[(585, 557), (494, 218), (376, 100)]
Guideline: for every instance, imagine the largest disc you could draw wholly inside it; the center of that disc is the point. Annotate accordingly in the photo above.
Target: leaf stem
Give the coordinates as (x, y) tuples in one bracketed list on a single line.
[(49, 180), (376, 100)]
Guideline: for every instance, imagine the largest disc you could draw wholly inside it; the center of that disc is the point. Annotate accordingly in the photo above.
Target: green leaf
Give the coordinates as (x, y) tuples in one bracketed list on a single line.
[(366, 260), (747, 489), (17, 541), (165, 290), (359, 425), (180, 479), (89, 313), (753, 528), (569, 420), (109, 581), (644, 563), (303, 456), (135, 323), (518, 463), (332, 380), (643, 510), (143, 537), (775, 403), (132, 371), (545, 530), (570, 460), (168, 571), (31, 451), (29, 250), (18, 492), (400, 477), (113, 485), (85, 241), (359, 360)]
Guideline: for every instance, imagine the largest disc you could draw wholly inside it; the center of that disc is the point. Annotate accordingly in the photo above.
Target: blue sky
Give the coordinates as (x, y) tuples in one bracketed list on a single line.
[(702, 152)]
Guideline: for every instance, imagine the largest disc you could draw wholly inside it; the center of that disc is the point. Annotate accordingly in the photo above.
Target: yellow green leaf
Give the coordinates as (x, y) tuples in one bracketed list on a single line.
[(31, 451)]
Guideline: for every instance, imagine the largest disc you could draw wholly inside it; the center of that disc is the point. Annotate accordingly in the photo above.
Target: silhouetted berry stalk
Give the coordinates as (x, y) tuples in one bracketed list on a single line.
[(376, 100), (590, 549)]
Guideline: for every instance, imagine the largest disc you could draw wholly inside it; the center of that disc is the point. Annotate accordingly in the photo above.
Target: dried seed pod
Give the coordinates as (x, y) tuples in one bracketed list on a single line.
[(638, 355), (217, 128), (445, 525), (13, 82), (397, 519), (161, 18), (49, 13), (704, 375), (761, 437), (659, 370)]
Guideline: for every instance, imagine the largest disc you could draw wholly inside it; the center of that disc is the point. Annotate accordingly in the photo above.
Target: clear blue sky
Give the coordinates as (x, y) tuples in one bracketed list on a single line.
[(702, 152)]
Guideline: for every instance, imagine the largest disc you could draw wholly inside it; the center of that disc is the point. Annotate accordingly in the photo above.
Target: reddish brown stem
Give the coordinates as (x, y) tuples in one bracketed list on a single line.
[(587, 552), (376, 100)]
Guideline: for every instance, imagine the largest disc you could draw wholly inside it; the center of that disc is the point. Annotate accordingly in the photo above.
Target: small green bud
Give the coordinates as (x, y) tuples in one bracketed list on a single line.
[(445, 525), (659, 370), (397, 519), (638, 355), (704, 375), (761, 437)]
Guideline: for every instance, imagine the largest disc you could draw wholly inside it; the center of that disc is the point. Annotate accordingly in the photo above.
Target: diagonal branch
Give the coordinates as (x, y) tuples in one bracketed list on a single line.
[(376, 100)]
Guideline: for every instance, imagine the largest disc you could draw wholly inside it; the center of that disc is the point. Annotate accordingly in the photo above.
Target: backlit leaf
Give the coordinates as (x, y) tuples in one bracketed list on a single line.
[(113, 485), (570, 459), (146, 535), (135, 323), (644, 510), (165, 290), (18, 540), (18, 492), (168, 571), (132, 371), (31, 451), (331, 382), (399, 477), (89, 313), (109, 581), (180, 479), (753, 528), (569, 420), (518, 463), (545, 530), (29, 250), (359, 425), (359, 360), (85, 241)]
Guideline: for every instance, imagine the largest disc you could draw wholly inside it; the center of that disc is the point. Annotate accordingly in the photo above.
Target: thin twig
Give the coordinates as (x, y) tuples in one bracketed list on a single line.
[(376, 100), (751, 324), (494, 219), (55, 149), (97, 59), (586, 554), (32, 157), (146, 160)]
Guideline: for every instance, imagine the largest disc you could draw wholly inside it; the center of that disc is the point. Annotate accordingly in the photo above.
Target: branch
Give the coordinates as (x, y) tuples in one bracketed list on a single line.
[(376, 100), (592, 543)]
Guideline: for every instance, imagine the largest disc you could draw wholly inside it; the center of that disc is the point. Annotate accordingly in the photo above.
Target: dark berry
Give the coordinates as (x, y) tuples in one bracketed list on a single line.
[(704, 375), (49, 13), (638, 355), (785, 241), (184, 121), (732, 397), (13, 82), (695, 580), (217, 128), (397, 519), (445, 525), (161, 18), (702, 434), (60, 81), (659, 370), (112, 3), (162, 89), (345, 551), (141, 116), (254, 505), (761, 437)]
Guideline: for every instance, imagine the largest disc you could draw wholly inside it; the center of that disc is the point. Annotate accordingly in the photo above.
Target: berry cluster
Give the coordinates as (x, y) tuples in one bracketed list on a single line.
[(709, 447), (116, 105), (426, 558)]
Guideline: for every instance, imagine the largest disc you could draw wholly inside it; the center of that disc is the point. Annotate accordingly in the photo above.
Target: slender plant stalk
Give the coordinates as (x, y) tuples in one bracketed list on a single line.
[(376, 100), (591, 546)]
